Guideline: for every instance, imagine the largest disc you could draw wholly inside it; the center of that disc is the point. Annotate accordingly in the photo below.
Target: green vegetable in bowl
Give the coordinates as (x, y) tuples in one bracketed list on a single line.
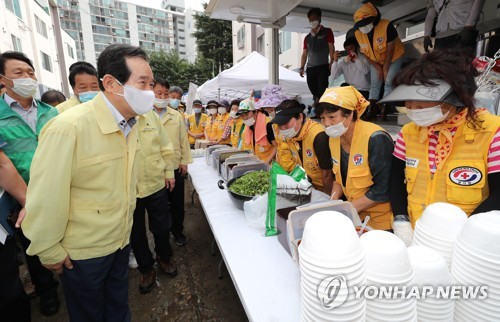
[(251, 184)]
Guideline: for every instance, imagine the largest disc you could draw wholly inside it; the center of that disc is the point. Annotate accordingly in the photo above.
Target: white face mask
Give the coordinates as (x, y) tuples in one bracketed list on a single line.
[(337, 130), (427, 116), (314, 24), (366, 29), (24, 87), (233, 115), (249, 122), (161, 103), (222, 110), (291, 132), (140, 101), (197, 110), (212, 111)]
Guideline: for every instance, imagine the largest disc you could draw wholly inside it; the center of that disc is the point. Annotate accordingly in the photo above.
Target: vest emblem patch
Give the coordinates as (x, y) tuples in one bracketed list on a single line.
[(465, 176), (357, 159), (309, 152), (380, 40)]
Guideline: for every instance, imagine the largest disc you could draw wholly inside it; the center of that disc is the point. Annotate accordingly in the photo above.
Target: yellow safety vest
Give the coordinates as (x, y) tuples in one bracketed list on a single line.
[(220, 124), (378, 51), (359, 177), (196, 129), (237, 139), (211, 126), (463, 179), (288, 155)]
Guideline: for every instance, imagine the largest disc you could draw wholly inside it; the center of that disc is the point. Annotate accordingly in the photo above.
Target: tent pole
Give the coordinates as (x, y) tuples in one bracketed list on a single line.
[(218, 96), (274, 57)]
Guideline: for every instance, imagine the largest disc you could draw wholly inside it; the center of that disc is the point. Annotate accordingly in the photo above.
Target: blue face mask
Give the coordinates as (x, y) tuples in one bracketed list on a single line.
[(174, 103), (87, 96)]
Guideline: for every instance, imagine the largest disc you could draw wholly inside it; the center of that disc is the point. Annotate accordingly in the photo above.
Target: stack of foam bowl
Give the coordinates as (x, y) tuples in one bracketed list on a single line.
[(438, 228), (430, 270), (387, 267), (332, 261), (476, 262)]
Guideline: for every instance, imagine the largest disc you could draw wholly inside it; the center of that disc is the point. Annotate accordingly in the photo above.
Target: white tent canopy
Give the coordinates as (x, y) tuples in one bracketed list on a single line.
[(250, 73)]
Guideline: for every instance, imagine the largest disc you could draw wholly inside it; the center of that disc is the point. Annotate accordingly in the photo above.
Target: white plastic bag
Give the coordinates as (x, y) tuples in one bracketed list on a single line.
[(256, 211)]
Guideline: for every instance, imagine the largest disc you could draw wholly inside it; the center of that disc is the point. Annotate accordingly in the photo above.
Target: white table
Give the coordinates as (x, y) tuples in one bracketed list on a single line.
[(265, 276)]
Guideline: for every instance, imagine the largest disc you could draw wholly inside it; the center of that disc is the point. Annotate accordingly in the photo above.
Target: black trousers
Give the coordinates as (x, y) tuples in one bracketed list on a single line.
[(317, 80), (14, 303), (96, 289), (176, 198), (453, 42), (160, 220), (42, 278)]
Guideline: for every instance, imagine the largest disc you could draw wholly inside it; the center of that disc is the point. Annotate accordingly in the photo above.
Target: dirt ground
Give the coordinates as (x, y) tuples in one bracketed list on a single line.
[(195, 294)]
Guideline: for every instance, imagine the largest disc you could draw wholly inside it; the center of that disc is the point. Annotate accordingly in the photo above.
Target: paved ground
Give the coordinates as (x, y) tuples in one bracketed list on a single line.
[(195, 294)]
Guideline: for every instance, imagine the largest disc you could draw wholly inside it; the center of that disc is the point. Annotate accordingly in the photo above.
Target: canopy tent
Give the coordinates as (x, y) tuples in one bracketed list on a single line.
[(250, 73)]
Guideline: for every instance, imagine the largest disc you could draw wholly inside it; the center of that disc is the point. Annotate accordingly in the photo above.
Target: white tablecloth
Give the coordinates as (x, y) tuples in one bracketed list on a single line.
[(264, 274)]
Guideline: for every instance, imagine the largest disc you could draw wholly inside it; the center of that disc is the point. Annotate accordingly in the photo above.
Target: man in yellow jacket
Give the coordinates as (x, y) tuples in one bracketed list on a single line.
[(156, 177), (83, 79), (196, 124), (173, 122), (82, 192), (304, 143)]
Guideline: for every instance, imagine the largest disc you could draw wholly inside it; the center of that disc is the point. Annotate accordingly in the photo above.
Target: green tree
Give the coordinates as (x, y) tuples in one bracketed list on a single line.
[(214, 41), (179, 71)]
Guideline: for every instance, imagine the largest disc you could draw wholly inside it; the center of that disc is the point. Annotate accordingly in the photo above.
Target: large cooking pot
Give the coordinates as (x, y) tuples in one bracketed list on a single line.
[(236, 198)]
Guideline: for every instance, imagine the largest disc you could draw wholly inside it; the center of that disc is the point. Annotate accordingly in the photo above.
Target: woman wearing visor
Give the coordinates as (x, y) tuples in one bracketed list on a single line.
[(450, 152), (361, 155)]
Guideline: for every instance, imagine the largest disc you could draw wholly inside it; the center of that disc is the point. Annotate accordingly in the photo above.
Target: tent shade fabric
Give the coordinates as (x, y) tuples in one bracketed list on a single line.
[(251, 73)]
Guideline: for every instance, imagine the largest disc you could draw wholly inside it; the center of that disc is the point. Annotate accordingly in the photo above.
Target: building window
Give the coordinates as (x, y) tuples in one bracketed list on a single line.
[(41, 27), (261, 45), (16, 43), (285, 41), (241, 38), (14, 7), (46, 62), (70, 51)]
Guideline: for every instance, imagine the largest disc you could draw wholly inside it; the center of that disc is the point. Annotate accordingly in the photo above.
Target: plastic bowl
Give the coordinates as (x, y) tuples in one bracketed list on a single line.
[(443, 219), (328, 262), (386, 256), (429, 267), (330, 235), (482, 232)]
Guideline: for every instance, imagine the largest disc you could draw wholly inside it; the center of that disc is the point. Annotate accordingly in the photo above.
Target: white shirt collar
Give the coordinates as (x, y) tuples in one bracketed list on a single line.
[(9, 100), (123, 124)]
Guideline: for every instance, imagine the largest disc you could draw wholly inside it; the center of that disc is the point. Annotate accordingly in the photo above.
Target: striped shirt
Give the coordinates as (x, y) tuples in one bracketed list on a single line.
[(493, 152)]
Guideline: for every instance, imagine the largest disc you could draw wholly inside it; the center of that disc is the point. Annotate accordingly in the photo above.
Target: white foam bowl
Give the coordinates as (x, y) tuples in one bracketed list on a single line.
[(328, 262), (429, 267), (482, 233), (443, 219), (428, 234), (386, 256), (473, 257), (330, 235)]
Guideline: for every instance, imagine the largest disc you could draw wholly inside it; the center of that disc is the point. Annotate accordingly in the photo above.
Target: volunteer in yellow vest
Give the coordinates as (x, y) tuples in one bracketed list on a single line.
[(155, 177), (450, 150), (258, 133), (83, 79), (304, 143), (176, 128), (211, 123), (196, 124), (272, 96), (379, 42), (223, 124), (361, 155), (237, 127)]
